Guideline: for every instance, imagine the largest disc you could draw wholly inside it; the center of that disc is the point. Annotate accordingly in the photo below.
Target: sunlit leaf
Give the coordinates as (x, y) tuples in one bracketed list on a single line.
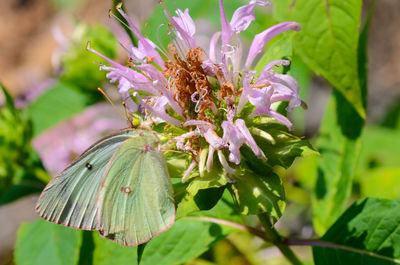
[(336, 165), (185, 240), (204, 199), (328, 41), (280, 147), (256, 193), (339, 145), (225, 209), (367, 233)]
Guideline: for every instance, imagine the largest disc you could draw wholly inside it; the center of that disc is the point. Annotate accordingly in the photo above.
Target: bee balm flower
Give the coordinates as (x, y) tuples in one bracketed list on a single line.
[(203, 93)]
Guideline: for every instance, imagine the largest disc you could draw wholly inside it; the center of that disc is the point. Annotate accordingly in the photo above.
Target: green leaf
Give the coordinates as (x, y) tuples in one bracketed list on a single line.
[(204, 199), (225, 209), (43, 243), (87, 248), (216, 178), (66, 5), (255, 193), (110, 253), (213, 179), (201, 193), (185, 240), (176, 164), (328, 41), (55, 105), (79, 68), (339, 148), (280, 147), (367, 233), (339, 145), (20, 167)]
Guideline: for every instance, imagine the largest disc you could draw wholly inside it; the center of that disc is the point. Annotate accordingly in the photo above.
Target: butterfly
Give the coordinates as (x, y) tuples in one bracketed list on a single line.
[(119, 186)]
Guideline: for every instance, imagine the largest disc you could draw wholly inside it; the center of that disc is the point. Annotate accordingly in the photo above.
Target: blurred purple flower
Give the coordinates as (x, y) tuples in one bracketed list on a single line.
[(58, 146)]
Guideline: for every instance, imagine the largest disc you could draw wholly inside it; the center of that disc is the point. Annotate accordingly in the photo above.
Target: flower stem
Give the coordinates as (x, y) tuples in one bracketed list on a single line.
[(277, 239)]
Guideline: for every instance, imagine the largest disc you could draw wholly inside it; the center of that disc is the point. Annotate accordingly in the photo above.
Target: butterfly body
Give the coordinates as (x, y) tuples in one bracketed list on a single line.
[(118, 186)]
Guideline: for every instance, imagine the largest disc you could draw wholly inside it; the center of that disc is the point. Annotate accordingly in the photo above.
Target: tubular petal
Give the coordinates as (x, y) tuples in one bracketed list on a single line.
[(224, 163), (264, 37), (147, 47), (242, 17)]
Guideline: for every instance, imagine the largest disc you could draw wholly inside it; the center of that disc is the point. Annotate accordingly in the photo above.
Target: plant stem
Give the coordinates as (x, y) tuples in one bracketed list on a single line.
[(324, 244), (246, 228), (277, 239)]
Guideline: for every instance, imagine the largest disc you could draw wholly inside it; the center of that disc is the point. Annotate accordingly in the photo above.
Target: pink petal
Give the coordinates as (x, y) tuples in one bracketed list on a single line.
[(289, 81), (183, 33), (235, 140), (226, 29), (265, 73), (212, 52), (214, 140), (148, 49), (261, 39), (112, 62), (161, 83), (242, 17), (241, 125), (137, 80), (199, 122), (159, 111), (282, 119), (185, 21), (224, 163), (245, 93), (189, 170)]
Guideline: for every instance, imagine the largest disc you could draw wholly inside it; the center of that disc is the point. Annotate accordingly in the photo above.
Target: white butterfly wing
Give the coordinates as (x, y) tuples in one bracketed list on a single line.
[(70, 199)]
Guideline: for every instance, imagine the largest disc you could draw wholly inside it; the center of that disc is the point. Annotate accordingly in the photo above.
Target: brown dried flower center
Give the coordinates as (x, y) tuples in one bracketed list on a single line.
[(187, 77)]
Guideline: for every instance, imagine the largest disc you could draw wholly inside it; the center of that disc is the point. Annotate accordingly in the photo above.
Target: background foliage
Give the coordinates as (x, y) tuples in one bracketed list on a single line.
[(357, 162)]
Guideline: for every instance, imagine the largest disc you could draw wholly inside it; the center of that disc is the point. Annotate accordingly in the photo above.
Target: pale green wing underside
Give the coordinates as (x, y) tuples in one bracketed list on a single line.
[(136, 201), (71, 198)]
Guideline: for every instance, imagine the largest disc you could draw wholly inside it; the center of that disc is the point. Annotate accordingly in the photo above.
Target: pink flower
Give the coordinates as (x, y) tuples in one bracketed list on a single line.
[(262, 98), (236, 134), (202, 93)]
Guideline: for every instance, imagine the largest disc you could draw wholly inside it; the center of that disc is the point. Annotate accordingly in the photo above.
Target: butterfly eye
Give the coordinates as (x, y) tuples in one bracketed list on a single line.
[(89, 166)]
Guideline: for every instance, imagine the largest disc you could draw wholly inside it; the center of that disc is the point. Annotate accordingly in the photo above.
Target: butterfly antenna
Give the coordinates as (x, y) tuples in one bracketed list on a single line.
[(112, 104), (128, 117)]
